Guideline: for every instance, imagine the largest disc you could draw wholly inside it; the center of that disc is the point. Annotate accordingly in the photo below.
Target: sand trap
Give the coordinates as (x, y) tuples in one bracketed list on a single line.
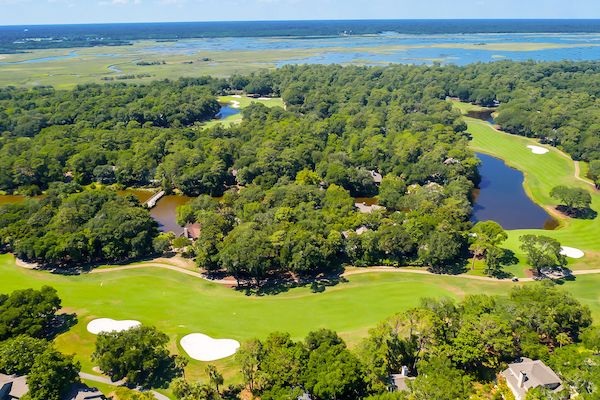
[(264, 98), (538, 149), (571, 252), (236, 96), (235, 104), (204, 348), (110, 325)]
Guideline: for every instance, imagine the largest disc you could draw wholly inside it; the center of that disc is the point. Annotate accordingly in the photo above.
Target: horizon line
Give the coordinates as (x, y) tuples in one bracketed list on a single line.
[(299, 20)]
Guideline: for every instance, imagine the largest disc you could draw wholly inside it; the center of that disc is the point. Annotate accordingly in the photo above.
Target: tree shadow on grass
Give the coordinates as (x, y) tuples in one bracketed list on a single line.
[(60, 324), (283, 283), (578, 213)]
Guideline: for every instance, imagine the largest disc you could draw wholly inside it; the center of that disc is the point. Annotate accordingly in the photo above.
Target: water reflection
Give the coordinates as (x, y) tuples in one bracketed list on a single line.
[(502, 198)]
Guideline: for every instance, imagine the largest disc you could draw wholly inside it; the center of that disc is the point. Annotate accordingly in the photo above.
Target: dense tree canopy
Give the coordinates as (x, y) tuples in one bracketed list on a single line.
[(446, 347), (28, 312), (138, 354), (71, 226)]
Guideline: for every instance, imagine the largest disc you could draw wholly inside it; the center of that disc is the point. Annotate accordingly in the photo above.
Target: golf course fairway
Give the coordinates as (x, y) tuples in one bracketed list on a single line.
[(179, 304), (542, 172)]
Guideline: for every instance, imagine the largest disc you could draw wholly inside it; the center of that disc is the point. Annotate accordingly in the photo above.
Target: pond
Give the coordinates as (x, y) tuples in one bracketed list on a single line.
[(502, 198), (165, 211), (227, 111), (484, 114)]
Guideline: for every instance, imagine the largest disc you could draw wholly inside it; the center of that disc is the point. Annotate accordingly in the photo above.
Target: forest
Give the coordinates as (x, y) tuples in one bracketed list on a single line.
[(287, 175)]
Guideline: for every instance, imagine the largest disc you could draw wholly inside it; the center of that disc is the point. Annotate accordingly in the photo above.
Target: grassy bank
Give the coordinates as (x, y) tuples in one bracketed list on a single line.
[(542, 173)]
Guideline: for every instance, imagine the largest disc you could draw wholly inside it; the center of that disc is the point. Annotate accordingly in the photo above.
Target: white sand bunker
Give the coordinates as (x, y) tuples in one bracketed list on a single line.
[(237, 96), (235, 104), (204, 348), (571, 252), (538, 149), (110, 325)]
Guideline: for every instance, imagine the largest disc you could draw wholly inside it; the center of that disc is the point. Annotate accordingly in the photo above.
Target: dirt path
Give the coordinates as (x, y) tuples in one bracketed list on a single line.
[(227, 282), (576, 175), (367, 270), (580, 178)]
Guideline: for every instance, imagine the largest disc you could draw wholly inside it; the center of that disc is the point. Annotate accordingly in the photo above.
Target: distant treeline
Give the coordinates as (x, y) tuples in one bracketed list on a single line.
[(18, 38)]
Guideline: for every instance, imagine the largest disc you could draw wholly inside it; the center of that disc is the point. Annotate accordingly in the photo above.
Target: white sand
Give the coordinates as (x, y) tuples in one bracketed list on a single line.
[(110, 325), (204, 348), (538, 149), (571, 252), (237, 96), (264, 98), (235, 104)]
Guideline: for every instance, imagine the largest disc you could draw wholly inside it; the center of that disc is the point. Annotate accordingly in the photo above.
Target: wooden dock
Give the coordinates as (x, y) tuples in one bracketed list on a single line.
[(151, 203)]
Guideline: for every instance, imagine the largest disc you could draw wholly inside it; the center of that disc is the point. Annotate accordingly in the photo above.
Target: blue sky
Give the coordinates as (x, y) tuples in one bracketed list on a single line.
[(83, 11)]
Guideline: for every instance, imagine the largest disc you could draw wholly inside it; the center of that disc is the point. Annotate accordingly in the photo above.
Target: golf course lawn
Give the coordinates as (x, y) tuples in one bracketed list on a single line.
[(179, 304), (243, 103), (542, 173)]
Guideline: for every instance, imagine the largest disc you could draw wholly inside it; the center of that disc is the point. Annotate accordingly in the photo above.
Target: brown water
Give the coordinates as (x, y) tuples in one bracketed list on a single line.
[(369, 201), (11, 199), (165, 211)]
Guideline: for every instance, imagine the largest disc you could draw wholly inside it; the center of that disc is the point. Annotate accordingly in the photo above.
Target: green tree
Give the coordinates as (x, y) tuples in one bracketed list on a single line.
[(594, 172), (332, 371), (247, 251), (542, 252), (17, 355), (52, 375), (441, 251), (483, 342), (591, 338), (486, 235), (391, 192), (439, 380), (249, 358), (139, 354), (214, 376), (31, 312), (572, 198)]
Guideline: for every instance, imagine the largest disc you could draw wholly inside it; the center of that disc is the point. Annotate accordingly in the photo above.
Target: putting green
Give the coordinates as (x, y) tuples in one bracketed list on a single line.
[(542, 172)]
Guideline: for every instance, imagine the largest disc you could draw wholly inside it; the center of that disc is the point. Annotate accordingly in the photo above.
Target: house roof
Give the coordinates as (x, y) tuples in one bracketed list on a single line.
[(367, 209), (83, 392), (192, 231), (377, 177), (535, 372), (400, 382), (18, 384)]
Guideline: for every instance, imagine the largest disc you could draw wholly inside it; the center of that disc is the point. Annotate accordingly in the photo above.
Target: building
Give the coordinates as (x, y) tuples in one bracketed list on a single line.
[(377, 177), (12, 387), (84, 392), (368, 209), (192, 231), (399, 382), (528, 374)]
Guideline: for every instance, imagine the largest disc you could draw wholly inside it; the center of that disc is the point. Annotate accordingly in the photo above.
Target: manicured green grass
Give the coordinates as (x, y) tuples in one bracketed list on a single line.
[(179, 304), (243, 103), (542, 172)]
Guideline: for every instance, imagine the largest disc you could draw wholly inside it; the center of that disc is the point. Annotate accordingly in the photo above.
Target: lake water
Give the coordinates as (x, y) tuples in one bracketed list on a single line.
[(502, 198), (227, 111)]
